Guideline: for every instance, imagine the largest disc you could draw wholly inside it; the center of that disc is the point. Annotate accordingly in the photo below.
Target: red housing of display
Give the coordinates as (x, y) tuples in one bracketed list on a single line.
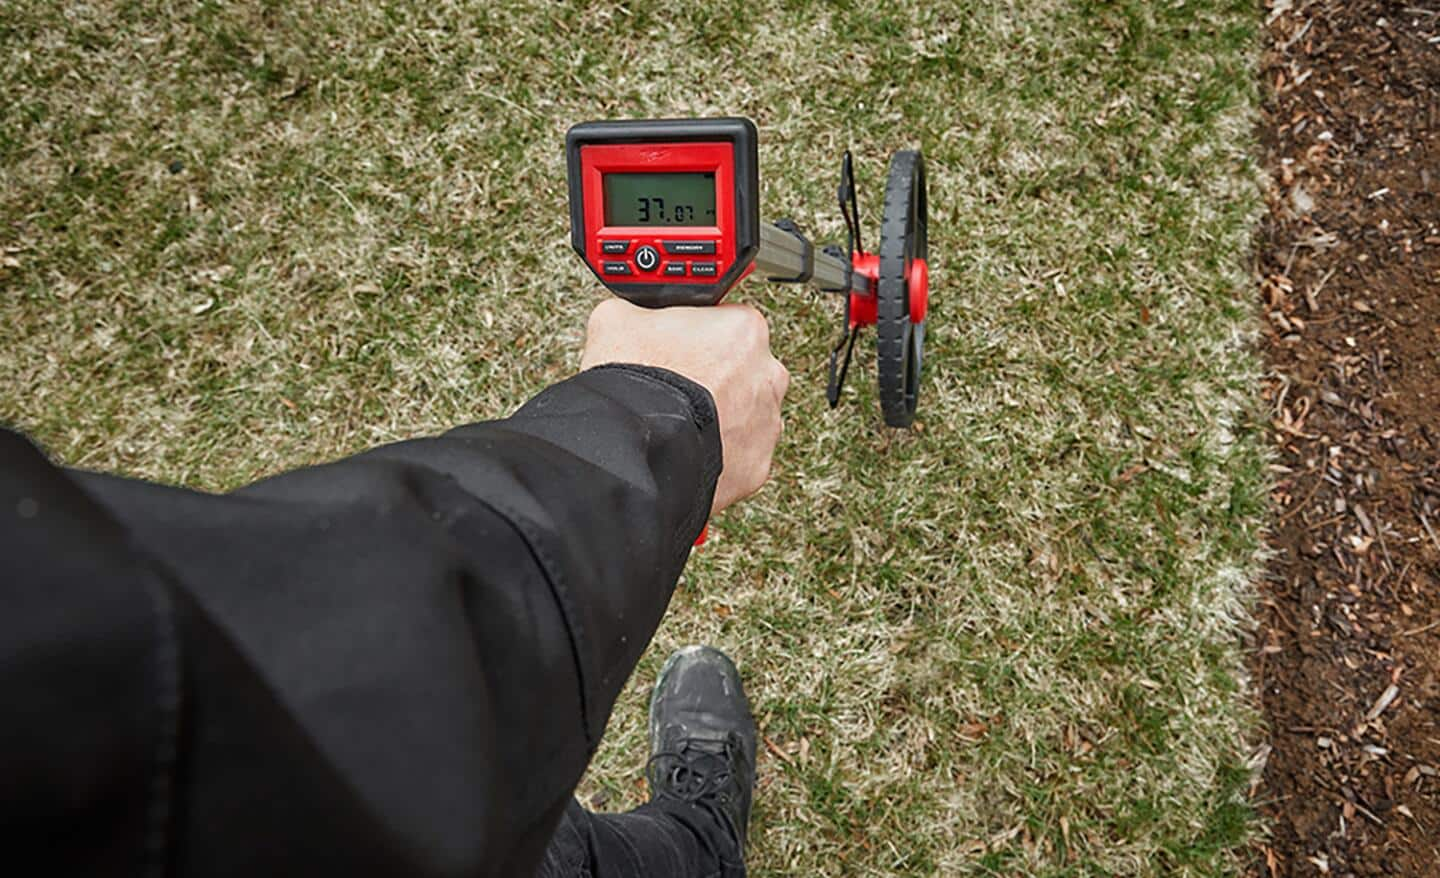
[(596, 160)]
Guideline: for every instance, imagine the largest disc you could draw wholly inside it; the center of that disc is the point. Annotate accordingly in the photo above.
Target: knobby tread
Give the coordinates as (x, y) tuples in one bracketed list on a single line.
[(904, 185)]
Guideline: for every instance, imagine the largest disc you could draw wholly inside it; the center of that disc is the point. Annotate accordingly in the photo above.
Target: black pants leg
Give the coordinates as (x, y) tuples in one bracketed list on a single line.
[(665, 839)]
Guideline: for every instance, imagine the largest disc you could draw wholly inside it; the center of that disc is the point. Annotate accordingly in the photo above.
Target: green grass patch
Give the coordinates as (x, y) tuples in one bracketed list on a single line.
[(242, 237)]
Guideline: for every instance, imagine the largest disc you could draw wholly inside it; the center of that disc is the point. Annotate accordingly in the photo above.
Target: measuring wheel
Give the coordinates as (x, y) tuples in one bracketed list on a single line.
[(667, 212), (902, 288)]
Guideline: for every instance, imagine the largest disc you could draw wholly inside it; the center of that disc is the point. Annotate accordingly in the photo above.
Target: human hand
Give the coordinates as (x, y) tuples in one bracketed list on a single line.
[(726, 349)]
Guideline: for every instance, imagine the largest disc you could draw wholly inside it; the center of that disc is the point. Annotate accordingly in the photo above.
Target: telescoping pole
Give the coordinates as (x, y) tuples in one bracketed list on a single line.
[(787, 256)]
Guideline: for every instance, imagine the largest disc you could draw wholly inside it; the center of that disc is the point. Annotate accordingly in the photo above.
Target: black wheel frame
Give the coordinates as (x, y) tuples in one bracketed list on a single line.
[(900, 344)]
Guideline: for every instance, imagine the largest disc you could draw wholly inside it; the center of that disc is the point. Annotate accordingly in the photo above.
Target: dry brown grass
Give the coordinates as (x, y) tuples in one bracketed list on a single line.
[(1004, 643)]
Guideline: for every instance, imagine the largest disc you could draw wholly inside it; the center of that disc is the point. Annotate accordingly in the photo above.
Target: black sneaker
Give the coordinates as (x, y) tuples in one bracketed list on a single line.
[(702, 736)]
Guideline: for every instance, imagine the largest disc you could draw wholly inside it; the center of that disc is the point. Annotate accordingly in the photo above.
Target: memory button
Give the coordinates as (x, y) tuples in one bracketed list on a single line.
[(690, 248)]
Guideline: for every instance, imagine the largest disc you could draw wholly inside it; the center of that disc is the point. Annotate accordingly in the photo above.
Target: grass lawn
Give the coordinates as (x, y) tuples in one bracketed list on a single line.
[(241, 237)]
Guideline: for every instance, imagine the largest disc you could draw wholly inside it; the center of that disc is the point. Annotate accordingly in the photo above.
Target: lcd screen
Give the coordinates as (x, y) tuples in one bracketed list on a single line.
[(666, 199)]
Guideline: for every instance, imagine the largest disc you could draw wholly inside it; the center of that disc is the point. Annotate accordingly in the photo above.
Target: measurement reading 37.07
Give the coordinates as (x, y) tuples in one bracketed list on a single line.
[(650, 210), (660, 199)]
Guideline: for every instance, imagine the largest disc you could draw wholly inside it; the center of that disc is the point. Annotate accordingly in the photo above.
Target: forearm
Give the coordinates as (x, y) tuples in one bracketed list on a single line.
[(609, 478)]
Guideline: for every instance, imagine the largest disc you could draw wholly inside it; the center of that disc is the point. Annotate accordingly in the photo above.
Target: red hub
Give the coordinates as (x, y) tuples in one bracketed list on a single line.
[(917, 283), (864, 306)]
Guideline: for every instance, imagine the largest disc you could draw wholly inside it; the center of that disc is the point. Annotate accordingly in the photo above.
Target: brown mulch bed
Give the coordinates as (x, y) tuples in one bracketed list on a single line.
[(1348, 656)]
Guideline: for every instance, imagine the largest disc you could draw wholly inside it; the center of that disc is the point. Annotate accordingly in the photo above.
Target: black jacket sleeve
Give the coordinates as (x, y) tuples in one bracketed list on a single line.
[(399, 663)]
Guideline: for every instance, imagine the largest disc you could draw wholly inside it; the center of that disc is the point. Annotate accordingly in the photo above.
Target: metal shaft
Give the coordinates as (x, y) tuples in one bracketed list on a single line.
[(787, 256)]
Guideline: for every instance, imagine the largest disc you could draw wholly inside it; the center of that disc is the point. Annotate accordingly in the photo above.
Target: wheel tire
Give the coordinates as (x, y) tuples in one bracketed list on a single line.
[(900, 344)]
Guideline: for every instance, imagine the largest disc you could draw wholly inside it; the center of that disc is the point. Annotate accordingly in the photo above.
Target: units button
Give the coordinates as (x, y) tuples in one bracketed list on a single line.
[(675, 269), (690, 248), (617, 268), (702, 269), (614, 246)]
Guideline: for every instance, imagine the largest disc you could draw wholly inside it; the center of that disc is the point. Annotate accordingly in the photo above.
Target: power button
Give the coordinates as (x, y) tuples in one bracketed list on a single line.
[(646, 258)]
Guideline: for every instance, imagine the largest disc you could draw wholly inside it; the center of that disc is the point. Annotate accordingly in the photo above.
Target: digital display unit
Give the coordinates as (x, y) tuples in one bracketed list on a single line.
[(660, 199), (665, 211)]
